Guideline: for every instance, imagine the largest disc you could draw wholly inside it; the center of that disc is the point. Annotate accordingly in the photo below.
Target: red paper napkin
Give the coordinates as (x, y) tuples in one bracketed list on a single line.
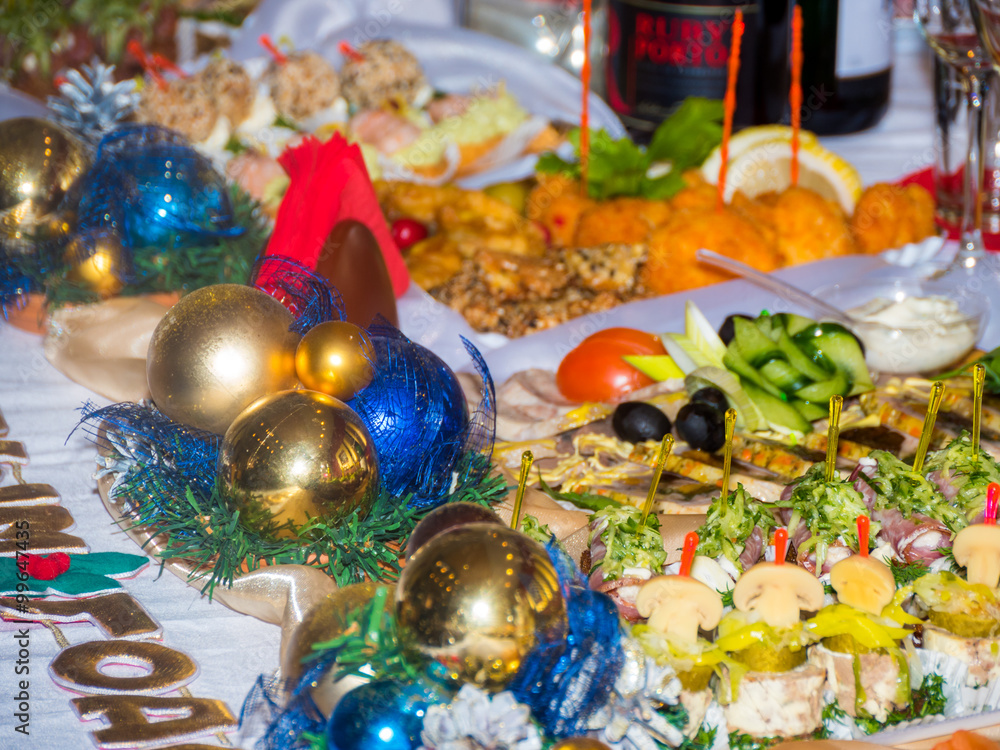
[(925, 178), (329, 183)]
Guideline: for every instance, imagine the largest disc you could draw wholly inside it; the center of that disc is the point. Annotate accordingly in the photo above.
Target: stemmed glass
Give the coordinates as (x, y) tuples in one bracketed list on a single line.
[(949, 28)]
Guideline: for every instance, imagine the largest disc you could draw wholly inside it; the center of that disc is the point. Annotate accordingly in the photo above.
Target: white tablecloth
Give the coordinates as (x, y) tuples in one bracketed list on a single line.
[(232, 650)]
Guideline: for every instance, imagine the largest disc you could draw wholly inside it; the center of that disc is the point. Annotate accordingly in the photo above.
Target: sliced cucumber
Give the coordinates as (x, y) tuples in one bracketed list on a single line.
[(809, 410), (702, 335), (753, 344), (685, 354), (656, 366), (792, 323), (783, 375), (766, 324), (777, 412), (839, 346), (718, 377), (735, 362), (812, 369), (821, 392)]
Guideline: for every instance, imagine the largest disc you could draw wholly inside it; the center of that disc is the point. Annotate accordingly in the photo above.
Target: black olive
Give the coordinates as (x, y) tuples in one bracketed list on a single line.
[(711, 396), (727, 330), (636, 422), (701, 426)]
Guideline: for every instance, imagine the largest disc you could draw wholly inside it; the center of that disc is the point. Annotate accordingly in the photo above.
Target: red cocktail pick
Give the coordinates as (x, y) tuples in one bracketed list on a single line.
[(991, 504), (780, 546), (864, 524), (687, 554)]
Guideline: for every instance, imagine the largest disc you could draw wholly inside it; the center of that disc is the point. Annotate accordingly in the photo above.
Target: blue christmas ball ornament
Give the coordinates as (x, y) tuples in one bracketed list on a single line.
[(152, 188), (416, 413), (382, 715)]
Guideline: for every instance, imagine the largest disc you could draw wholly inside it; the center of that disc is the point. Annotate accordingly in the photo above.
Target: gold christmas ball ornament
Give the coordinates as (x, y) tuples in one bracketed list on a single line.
[(335, 358), (295, 455), (97, 262), (218, 350), (39, 162), (328, 619), (475, 600), (444, 518), (580, 743)]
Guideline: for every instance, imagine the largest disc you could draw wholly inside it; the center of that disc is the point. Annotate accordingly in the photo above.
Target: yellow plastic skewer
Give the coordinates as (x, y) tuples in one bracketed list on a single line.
[(522, 482), (937, 392), (833, 436), (978, 383), (727, 457), (665, 446)]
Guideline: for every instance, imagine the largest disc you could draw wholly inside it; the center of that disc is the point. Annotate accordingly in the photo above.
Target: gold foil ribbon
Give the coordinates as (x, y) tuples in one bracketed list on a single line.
[(103, 346)]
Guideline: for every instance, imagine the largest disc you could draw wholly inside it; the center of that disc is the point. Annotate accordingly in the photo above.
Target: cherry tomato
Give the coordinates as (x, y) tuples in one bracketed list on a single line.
[(595, 370), (644, 343), (406, 232)]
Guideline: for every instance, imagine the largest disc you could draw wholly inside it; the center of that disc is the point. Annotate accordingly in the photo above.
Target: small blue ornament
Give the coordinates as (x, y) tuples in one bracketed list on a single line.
[(383, 715), (152, 188), (416, 413)]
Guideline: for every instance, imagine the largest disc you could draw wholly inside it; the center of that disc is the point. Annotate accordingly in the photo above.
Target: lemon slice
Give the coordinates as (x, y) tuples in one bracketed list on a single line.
[(745, 140), (767, 168)]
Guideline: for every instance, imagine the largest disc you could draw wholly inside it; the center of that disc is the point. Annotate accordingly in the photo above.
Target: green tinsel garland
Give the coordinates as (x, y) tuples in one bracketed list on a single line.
[(207, 532)]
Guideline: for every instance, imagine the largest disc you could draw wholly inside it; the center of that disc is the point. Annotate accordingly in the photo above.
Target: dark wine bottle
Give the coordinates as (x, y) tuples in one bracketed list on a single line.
[(846, 64), (660, 52)]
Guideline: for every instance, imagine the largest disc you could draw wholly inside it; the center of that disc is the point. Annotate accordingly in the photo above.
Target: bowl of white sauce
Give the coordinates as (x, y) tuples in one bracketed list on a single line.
[(909, 325)]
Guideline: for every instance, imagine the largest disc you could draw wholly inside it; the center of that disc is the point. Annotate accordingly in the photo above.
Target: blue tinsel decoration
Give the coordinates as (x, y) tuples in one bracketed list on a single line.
[(285, 726), (416, 413), (307, 295), (167, 457), (152, 188), (565, 683)]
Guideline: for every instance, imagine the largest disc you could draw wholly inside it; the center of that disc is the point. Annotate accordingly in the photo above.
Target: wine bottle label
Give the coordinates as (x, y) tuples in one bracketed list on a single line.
[(864, 37), (661, 52)]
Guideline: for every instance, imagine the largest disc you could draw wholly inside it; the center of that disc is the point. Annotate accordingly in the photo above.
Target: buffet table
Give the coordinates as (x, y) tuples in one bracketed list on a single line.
[(231, 650)]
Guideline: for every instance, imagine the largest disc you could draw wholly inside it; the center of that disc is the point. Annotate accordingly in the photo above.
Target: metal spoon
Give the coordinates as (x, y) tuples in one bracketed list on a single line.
[(783, 289)]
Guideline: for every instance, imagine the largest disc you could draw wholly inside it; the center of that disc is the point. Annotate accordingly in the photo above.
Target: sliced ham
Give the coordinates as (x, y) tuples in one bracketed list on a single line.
[(914, 539), (753, 548)]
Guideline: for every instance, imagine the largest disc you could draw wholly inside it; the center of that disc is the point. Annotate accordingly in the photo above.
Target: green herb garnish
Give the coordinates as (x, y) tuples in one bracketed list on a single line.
[(621, 168), (969, 474), (907, 573), (828, 509), (533, 529), (583, 500), (898, 487), (729, 524), (991, 361), (630, 543)]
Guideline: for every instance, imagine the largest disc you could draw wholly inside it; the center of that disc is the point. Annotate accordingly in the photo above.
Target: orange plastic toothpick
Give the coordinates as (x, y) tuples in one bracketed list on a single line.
[(585, 108), (729, 105), (780, 546), (864, 525), (795, 94), (277, 54), (990, 518), (687, 554), (348, 51)]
